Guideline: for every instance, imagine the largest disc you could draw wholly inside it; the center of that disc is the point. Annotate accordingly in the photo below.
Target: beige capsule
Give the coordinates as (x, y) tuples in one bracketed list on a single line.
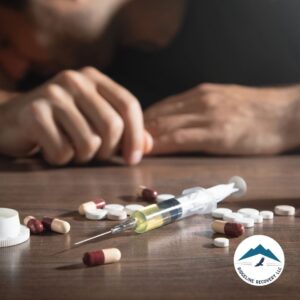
[(56, 225)]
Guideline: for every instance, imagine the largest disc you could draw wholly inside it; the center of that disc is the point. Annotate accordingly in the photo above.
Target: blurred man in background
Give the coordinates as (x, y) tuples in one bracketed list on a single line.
[(87, 79)]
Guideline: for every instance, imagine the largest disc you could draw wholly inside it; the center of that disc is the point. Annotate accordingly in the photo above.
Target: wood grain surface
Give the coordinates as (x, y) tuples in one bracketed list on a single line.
[(177, 261)]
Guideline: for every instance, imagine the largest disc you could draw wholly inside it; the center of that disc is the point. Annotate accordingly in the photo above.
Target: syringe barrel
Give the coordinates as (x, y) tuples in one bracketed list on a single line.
[(157, 215)]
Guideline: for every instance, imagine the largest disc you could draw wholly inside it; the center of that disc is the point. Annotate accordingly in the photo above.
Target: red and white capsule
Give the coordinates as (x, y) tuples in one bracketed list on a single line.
[(101, 257), (97, 203), (230, 229), (56, 225), (35, 225), (146, 194)]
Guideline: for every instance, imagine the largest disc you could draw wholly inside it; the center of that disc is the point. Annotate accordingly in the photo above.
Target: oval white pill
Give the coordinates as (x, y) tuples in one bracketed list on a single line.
[(232, 217), (248, 212), (285, 210), (96, 214), (114, 207), (130, 208), (267, 214), (221, 242), (116, 215), (247, 222), (220, 212), (163, 197)]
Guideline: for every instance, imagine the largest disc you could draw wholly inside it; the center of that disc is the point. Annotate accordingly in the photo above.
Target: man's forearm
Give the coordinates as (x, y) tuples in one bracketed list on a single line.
[(6, 96)]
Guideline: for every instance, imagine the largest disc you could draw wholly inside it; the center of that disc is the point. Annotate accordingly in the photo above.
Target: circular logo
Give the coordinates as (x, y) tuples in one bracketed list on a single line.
[(259, 260)]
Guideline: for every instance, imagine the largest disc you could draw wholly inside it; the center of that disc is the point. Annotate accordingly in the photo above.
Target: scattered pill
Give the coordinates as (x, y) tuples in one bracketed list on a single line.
[(232, 217), (96, 214), (285, 210), (257, 218), (56, 225), (248, 212), (247, 222), (164, 197), (221, 242), (267, 214), (116, 215), (101, 257), (98, 203), (230, 229), (35, 225), (130, 208), (114, 207), (220, 212), (146, 194)]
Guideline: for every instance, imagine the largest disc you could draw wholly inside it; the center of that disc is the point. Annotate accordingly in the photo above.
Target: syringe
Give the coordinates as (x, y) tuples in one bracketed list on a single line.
[(192, 201)]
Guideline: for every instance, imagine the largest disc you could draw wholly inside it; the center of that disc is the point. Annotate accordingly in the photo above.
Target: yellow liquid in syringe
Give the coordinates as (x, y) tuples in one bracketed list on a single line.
[(156, 215), (144, 224)]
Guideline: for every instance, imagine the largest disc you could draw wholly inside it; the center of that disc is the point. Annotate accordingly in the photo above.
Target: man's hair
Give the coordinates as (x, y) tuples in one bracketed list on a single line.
[(14, 4)]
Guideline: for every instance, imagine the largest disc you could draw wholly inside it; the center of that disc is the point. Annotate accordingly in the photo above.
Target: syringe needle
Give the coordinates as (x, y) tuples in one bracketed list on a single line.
[(93, 237)]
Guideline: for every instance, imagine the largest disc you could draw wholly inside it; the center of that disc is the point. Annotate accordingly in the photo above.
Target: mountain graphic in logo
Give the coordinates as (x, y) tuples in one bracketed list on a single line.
[(259, 250)]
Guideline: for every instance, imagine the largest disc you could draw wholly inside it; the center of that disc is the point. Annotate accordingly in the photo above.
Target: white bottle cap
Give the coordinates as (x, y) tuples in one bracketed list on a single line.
[(11, 232)]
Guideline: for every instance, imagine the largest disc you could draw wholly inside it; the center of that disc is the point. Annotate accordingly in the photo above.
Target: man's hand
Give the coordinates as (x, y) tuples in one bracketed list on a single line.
[(77, 115), (226, 119)]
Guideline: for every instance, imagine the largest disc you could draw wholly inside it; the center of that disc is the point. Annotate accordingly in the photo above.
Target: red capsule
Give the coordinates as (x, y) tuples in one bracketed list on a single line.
[(147, 194), (230, 229), (101, 257), (97, 203), (35, 225)]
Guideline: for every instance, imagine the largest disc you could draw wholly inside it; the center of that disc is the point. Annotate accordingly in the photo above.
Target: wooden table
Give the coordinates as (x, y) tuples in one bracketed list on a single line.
[(177, 261)]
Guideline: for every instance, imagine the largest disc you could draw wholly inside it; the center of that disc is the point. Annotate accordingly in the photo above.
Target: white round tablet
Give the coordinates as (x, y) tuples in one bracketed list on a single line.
[(285, 210), (117, 215), (232, 217), (220, 212), (257, 218), (96, 214), (267, 214), (163, 197), (130, 208), (247, 222), (221, 242), (114, 207), (248, 212)]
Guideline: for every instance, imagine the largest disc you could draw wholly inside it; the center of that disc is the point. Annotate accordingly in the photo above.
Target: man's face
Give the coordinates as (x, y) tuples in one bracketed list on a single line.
[(50, 35), (20, 47)]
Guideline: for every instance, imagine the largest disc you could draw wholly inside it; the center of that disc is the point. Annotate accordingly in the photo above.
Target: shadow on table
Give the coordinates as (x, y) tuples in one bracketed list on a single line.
[(71, 267), (38, 164)]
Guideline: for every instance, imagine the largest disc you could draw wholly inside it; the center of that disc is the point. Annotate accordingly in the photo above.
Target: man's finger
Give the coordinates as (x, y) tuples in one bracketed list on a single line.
[(167, 124), (182, 140), (54, 144), (102, 117), (129, 109), (67, 115)]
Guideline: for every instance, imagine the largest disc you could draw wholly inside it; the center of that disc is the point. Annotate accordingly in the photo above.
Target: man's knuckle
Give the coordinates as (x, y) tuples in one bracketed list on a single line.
[(129, 104), (205, 87), (89, 70), (212, 100), (50, 90), (68, 76), (116, 126)]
